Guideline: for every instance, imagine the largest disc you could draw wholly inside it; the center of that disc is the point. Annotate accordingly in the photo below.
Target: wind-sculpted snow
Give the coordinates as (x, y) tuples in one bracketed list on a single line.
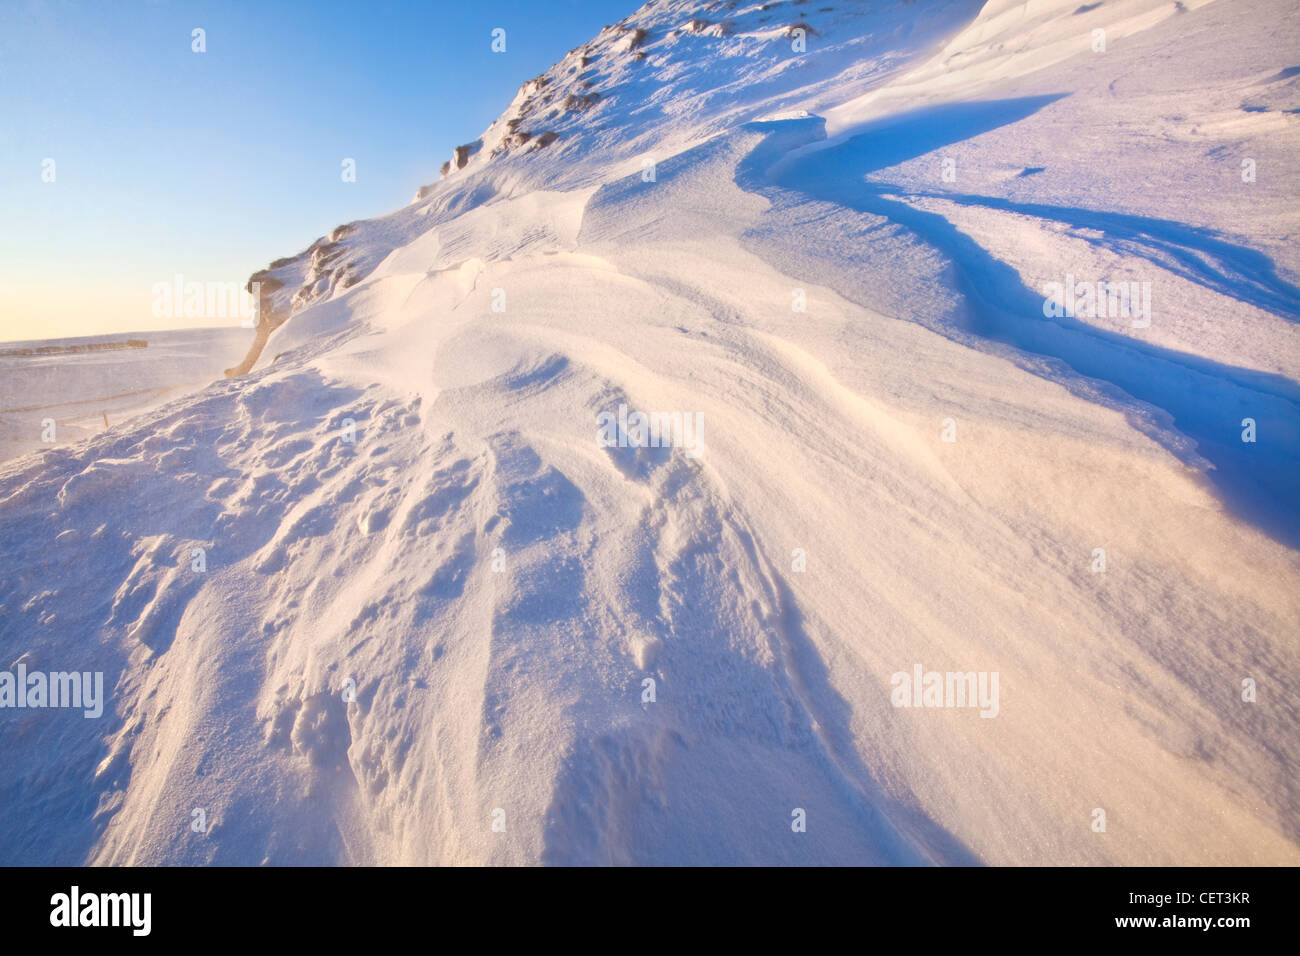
[(1205, 401), (390, 597)]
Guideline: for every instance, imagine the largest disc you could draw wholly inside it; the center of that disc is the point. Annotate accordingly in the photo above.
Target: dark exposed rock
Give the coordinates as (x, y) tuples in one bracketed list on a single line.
[(580, 103)]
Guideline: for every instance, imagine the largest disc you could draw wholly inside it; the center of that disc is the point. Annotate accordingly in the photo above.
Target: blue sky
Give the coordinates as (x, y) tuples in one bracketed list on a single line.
[(211, 164)]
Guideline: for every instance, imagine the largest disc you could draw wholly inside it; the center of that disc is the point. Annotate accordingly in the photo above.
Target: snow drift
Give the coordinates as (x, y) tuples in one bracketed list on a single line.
[(382, 596)]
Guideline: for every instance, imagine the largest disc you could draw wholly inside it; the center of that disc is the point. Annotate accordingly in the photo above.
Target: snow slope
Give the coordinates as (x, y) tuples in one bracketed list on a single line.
[(431, 598)]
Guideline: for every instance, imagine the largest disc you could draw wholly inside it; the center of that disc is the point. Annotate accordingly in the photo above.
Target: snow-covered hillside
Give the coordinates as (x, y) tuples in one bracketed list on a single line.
[(385, 596)]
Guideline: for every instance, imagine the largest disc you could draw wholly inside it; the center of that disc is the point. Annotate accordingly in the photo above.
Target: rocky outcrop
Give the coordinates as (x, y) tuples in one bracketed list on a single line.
[(320, 270), (546, 139), (460, 156), (580, 102), (269, 318)]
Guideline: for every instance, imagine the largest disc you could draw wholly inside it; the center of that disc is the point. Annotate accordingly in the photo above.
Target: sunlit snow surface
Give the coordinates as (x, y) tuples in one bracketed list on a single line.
[(406, 496), (87, 385)]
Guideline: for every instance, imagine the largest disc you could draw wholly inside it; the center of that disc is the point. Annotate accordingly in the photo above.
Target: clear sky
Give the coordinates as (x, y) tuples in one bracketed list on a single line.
[(209, 165)]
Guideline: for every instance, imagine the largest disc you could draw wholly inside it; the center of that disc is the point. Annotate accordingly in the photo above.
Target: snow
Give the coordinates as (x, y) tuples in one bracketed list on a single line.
[(431, 594), (77, 389)]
